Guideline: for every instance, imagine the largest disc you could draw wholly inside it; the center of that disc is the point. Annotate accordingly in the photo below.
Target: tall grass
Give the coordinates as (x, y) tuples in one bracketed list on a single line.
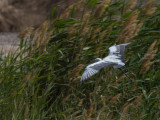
[(42, 81)]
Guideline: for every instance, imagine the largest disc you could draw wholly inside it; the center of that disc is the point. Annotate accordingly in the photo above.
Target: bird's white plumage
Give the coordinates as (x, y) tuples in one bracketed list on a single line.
[(115, 59), (92, 69), (112, 49), (117, 49)]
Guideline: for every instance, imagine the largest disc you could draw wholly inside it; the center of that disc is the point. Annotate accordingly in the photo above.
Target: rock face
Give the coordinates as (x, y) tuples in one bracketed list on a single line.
[(15, 15), (19, 14)]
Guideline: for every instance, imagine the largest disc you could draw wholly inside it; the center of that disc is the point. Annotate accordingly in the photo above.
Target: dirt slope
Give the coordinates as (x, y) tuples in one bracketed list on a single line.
[(15, 15), (19, 14)]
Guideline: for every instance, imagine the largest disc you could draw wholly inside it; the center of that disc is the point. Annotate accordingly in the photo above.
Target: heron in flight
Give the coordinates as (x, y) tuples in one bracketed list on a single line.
[(114, 59)]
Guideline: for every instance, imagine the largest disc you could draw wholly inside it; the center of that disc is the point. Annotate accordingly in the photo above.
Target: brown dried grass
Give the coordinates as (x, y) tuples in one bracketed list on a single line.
[(102, 35), (130, 6), (114, 99), (130, 29), (103, 98), (96, 32), (146, 60), (98, 89), (79, 6), (26, 77), (125, 110), (90, 111), (67, 98), (79, 51), (84, 113), (75, 72), (73, 115), (146, 67), (148, 9), (25, 32), (64, 117), (69, 110), (136, 103), (41, 40), (1, 80), (91, 107), (121, 79), (40, 37), (67, 12), (72, 30), (77, 79), (80, 103), (85, 24), (101, 8), (109, 31), (26, 113)]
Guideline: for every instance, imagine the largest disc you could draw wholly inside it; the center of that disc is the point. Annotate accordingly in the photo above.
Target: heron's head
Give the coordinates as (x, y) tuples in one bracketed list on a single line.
[(97, 59)]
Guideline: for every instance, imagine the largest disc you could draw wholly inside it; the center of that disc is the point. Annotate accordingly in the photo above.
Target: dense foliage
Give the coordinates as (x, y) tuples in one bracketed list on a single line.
[(42, 79)]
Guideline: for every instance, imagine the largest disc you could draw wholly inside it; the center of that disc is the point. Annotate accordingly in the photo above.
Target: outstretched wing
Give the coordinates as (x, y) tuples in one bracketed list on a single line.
[(121, 48), (118, 50), (92, 69)]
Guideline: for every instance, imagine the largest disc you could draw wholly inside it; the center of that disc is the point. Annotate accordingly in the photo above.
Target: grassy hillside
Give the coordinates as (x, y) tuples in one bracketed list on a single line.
[(43, 81)]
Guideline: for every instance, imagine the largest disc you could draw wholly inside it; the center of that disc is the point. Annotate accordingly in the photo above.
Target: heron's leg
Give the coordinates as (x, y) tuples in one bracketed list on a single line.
[(125, 88), (126, 68), (124, 73), (129, 71)]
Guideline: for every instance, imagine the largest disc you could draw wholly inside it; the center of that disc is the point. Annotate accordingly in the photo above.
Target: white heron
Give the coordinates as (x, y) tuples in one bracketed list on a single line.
[(114, 59)]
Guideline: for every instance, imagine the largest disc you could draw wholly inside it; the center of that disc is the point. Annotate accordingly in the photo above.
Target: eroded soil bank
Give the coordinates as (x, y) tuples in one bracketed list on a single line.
[(19, 14)]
